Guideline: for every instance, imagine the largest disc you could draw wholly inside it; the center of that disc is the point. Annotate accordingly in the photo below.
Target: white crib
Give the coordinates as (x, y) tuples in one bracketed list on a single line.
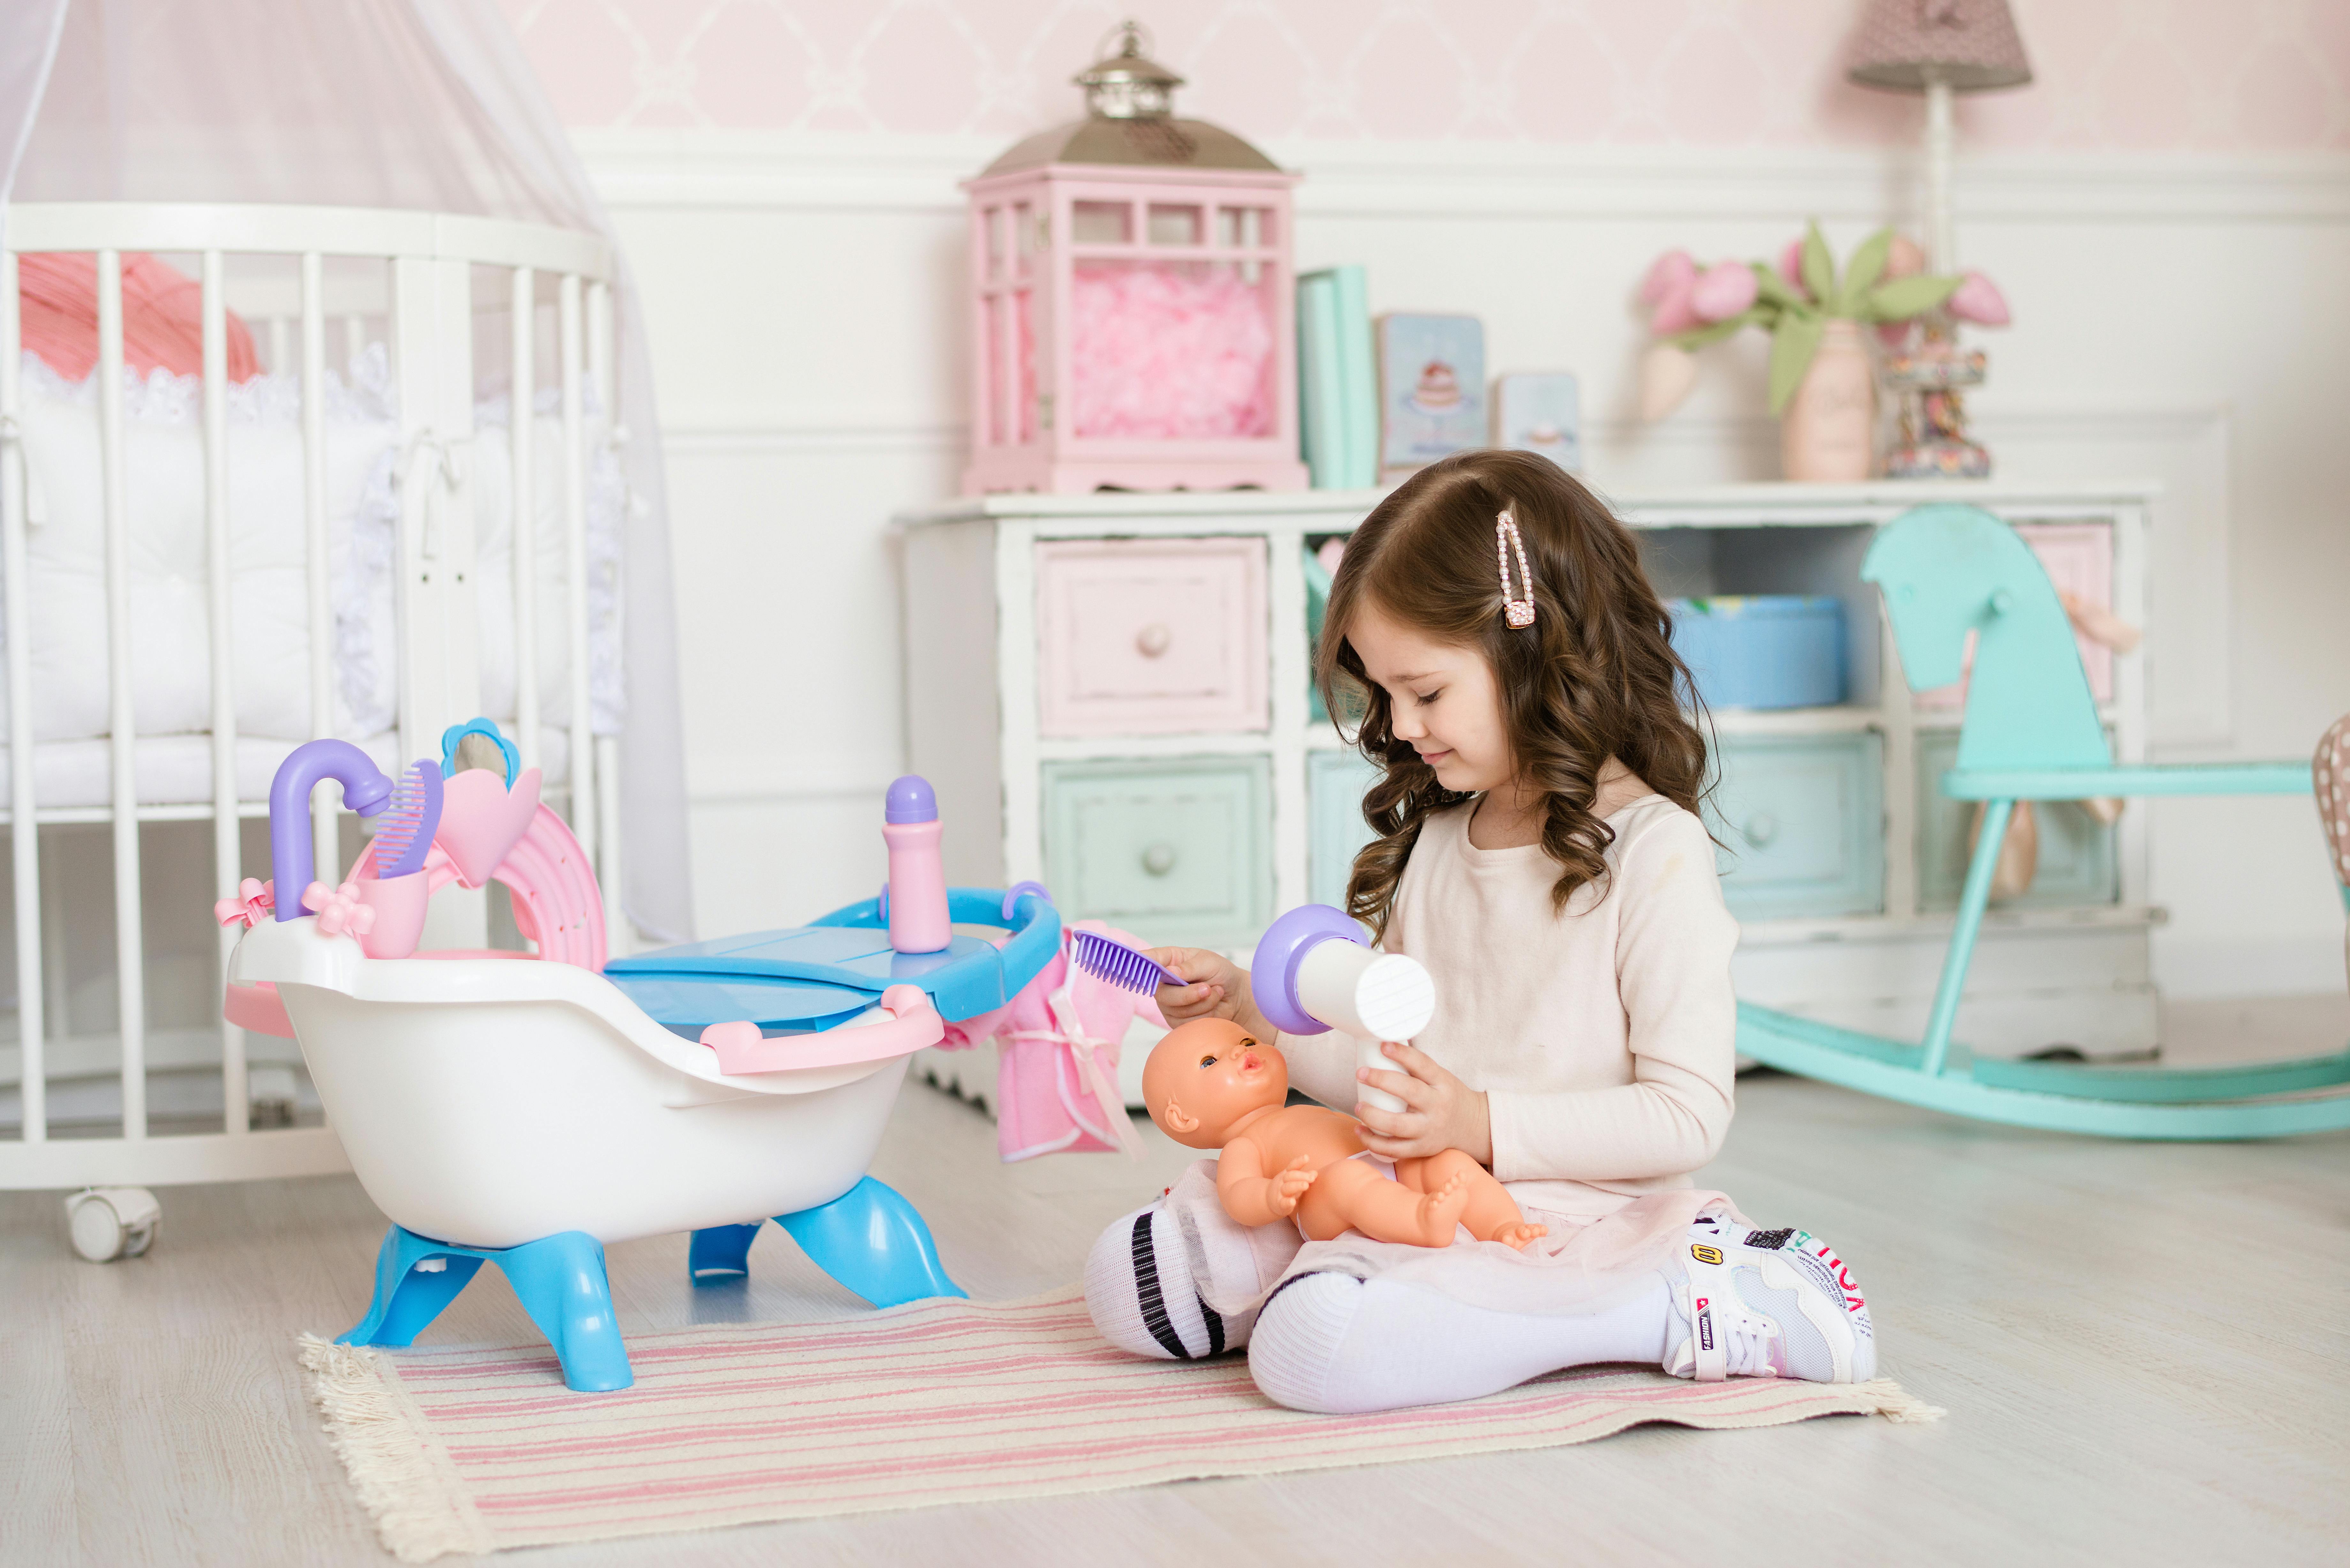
[(436, 283)]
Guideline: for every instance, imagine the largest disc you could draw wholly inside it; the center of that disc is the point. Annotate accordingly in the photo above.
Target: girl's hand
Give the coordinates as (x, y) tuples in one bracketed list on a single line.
[(1441, 1112), (1219, 989)]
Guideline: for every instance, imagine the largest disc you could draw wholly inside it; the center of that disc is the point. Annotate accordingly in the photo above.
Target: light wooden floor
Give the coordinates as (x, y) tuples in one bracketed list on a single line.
[(2145, 1351)]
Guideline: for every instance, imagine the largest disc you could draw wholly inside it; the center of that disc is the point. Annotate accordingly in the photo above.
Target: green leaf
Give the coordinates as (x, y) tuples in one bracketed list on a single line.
[(1906, 296), (1860, 274), (1792, 348), (1699, 337), (1769, 285), (1819, 266)]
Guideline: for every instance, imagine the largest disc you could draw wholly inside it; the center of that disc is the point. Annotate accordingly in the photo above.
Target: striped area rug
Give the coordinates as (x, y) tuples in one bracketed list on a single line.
[(470, 1449)]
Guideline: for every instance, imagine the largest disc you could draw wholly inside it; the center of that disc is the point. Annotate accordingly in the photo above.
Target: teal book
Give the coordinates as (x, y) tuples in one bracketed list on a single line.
[(1358, 378), (1322, 435)]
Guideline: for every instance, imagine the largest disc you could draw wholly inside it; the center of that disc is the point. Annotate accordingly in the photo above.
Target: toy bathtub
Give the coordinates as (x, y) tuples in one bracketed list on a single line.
[(528, 1110)]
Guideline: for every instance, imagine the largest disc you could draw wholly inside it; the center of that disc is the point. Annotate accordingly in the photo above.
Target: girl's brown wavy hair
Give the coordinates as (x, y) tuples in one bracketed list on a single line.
[(1596, 675)]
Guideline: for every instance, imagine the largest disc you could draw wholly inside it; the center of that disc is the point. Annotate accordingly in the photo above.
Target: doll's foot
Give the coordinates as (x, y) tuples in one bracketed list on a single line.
[(1518, 1233), (1441, 1211)]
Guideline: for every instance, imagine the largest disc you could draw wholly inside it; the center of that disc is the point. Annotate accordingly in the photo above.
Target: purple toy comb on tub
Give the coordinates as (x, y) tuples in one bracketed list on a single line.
[(1107, 959), (404, 834)]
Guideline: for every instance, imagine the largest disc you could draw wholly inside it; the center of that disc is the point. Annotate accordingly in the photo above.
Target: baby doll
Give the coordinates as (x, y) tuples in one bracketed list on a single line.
[(1211, 1084)]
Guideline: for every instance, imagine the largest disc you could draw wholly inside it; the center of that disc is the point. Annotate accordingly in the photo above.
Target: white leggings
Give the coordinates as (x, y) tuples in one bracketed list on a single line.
[(1336, 1344)]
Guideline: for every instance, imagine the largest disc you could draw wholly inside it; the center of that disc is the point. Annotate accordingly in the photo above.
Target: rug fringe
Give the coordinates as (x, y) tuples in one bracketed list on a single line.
[(386, 1457), (1896, 1403)]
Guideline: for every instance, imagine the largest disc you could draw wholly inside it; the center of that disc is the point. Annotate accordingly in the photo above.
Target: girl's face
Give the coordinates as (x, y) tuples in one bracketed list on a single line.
[(1443, 698)]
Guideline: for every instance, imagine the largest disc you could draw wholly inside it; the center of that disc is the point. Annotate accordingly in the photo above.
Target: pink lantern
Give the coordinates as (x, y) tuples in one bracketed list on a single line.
[(1132, 289)]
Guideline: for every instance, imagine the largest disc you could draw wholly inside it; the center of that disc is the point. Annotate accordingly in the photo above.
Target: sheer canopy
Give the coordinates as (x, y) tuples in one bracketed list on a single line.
[(425, 104)]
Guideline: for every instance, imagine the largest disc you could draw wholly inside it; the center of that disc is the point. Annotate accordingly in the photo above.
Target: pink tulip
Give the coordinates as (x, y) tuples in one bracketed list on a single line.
[(1676, 314), (1669, 274), (1979, 300), (1894, 333), (1904, 259), (1722, 290), (1791, 267)]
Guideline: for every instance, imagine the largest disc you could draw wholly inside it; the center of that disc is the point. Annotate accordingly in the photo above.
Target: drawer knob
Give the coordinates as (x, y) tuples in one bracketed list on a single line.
[(1158, 859), (1153, 639), (1761, 829)]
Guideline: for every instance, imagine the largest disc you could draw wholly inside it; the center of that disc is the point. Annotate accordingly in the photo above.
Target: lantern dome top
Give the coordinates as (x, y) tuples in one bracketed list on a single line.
[(1129, 121)]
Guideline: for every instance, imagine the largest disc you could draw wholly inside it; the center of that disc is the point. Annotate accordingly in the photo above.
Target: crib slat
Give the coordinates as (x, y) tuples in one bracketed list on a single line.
[(617, 943), (129, 955), (574, 564), (227, 854), (525, 515), (32, 1031), (325, 852)]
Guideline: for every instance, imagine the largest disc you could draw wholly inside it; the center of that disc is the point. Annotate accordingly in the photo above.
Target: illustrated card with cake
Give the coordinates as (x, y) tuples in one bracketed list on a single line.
[(1540, 411), (1431, 388)]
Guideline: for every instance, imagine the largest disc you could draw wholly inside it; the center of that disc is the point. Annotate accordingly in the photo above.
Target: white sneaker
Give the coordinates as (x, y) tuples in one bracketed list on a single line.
[(1767, 1303)]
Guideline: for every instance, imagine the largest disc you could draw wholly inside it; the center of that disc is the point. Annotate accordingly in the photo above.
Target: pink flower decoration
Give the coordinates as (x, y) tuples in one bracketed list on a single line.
[(1669, 274), (1979, 300), (1722, 290), (255, 898), (1905, 259), (1676, 314), (1791, 267), (340, 908)]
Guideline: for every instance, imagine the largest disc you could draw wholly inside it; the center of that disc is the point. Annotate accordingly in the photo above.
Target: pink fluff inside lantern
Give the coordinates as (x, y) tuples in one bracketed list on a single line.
[(1169, 351)]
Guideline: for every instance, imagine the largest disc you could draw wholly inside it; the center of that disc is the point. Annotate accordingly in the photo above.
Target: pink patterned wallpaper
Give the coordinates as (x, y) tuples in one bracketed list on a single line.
[(2198, 75)]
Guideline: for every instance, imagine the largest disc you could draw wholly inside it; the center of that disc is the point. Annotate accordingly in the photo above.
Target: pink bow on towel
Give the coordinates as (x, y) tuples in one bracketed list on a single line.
[(338, 908), (254, 900)]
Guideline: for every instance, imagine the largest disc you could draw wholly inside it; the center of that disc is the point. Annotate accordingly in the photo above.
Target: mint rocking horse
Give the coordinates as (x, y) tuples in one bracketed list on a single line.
[(2031, 733)]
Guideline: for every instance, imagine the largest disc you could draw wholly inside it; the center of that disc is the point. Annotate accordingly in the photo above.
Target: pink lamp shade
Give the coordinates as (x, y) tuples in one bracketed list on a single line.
[(1904, 45)]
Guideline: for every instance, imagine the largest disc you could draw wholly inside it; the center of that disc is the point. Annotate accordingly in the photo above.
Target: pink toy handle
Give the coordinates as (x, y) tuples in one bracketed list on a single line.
[(913, 1024)]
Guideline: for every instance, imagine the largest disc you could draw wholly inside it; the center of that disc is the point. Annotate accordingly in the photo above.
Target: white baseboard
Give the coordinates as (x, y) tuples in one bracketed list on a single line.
[(2196, 971)]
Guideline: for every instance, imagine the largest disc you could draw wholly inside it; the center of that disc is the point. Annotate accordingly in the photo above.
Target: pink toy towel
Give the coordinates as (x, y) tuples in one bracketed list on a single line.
[(1056, 1074)]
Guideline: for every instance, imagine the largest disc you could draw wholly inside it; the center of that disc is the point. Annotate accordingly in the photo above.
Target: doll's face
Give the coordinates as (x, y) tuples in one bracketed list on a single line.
[(1206, 1076)]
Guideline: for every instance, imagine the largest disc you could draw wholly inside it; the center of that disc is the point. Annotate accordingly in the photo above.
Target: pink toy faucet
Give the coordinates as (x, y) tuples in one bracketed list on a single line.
[(918, 879)]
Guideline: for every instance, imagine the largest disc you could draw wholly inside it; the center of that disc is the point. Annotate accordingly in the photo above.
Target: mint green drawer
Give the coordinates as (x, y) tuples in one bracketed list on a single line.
[(2077, 864), (1801, 820), (1334, 782), (1174, 851)]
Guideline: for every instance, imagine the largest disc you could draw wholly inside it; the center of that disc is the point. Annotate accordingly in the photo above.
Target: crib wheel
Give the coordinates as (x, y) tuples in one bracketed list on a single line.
[(110, 1222)]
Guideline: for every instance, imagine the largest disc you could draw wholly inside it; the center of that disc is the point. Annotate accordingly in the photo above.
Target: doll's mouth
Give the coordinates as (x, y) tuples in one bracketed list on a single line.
[(1252, 1062)]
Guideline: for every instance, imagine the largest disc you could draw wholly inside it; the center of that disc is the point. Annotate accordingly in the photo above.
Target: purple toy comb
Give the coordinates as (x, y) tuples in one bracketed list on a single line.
[(404, 829), (1107, 959)]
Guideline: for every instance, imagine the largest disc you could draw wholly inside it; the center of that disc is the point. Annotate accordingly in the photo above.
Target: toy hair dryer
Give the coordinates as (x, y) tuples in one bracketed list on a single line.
[(1314, 972)]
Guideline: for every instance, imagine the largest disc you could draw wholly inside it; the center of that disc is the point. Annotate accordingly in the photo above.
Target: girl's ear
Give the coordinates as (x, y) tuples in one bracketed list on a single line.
[(1176, 1120)]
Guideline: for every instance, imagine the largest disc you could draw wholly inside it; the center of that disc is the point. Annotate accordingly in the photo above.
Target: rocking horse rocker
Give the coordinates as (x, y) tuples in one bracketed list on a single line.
[(2032, 733)]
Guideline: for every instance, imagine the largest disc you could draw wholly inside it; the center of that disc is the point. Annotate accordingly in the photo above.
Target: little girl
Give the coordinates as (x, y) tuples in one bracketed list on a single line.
[(1539, 850)]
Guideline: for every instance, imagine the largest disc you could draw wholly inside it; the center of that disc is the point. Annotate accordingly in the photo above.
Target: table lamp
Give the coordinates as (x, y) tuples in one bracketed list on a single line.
[(1938, 48)]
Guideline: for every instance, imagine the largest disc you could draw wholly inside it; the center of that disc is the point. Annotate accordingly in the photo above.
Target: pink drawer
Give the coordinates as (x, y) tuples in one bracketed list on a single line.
[(2079, 559), (1150, 637)]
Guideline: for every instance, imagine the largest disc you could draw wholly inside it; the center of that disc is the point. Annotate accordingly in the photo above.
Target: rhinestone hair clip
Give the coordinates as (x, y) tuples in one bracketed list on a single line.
[(1517, 612)]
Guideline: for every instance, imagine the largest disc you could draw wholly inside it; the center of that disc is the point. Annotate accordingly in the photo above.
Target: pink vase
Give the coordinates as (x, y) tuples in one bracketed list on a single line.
[(1828, 433)]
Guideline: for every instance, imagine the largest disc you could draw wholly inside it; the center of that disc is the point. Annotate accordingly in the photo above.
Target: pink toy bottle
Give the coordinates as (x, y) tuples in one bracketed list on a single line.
[(918, 881)]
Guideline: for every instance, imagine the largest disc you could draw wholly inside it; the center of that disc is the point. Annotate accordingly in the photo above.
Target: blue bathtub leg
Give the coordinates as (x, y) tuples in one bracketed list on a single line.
[(407, 1300), (719, 1251), (560, 1280), (873, 1242), (562, 1286)]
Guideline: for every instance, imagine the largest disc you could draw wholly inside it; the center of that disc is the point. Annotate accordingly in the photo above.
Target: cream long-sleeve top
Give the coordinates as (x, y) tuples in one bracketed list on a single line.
[(1604, 1037)]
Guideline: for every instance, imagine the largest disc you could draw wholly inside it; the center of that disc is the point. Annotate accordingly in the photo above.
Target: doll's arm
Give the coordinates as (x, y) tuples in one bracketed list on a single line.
[(1250, 1196)]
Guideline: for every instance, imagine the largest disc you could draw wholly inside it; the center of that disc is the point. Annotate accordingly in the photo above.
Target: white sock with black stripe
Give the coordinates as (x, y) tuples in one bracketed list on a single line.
[(1140, 1290)]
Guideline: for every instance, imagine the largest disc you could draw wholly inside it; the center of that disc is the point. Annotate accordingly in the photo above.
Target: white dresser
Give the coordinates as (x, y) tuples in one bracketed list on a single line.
[(1110, 694)]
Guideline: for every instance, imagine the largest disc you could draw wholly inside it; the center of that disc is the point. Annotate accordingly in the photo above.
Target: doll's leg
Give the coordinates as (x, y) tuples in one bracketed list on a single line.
[(1493, 1215), (1350, 1195)]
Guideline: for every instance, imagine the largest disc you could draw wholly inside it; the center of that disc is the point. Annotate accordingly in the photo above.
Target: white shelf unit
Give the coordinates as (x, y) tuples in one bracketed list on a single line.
[(2066, 973)]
